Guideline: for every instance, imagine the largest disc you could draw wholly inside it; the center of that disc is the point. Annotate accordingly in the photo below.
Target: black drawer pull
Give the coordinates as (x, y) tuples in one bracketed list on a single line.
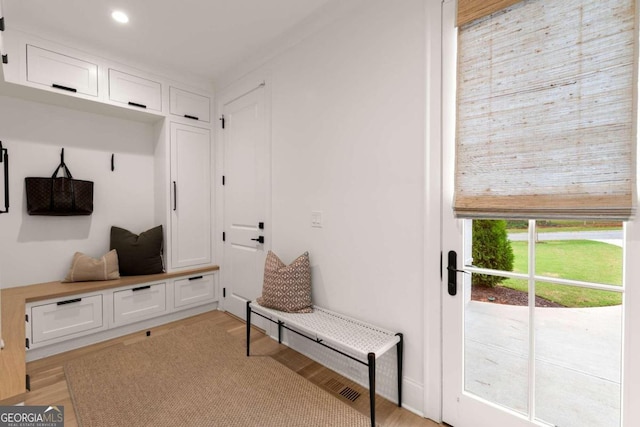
[(69, 301), (175, 196), (70, 89), (134, 104), (141, 288), (191, 117), (195, 278)]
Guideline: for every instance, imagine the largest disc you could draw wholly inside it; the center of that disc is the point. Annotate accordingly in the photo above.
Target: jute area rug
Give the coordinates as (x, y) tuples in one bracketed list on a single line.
[(197, 376)]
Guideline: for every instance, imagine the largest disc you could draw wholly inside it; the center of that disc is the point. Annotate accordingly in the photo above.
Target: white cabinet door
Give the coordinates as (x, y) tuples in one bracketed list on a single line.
[(190, 196), (135, 91), (189, 105), (73, 317), (194, 290), (138, 303), (61, 71)]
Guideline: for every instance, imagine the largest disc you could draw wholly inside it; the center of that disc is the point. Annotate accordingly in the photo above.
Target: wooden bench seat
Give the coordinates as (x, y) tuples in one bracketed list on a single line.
[(13, 387)]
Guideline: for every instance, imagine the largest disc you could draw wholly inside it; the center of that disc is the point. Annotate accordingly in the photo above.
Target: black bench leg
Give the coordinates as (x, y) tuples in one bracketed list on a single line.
[(400, 349), (280, 323), (371, 357), (248, 326)]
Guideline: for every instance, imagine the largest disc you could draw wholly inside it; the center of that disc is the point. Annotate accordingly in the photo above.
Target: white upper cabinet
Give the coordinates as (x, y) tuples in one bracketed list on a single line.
[(135, 91), (61, 72), (189, 105)]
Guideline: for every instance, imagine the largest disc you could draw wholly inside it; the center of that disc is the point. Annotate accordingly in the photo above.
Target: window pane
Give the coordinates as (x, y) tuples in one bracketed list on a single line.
[(578, 365), (589, 251), (497, 352), (492, 246)]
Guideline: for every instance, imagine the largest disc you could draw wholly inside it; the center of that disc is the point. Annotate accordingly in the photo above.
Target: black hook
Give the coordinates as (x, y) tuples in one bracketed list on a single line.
[(62, 157), (112, 162)]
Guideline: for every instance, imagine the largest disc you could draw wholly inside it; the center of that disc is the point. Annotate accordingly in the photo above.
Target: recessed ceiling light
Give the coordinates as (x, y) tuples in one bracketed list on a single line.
[(120, 16)]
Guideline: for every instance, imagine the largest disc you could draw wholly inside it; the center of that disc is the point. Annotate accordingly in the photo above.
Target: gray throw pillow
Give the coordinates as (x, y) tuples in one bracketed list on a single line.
[(138, 254)]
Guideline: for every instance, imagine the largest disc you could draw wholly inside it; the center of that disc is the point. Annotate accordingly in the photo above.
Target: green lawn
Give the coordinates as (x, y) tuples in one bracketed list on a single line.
[(583, 260), (564, 225)]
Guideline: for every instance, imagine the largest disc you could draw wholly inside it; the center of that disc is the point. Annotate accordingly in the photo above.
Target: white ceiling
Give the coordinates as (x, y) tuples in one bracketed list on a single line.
[(203, 37)]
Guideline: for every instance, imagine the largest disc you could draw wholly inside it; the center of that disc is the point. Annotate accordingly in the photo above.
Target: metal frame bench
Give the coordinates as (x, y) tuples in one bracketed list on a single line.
[(354, 339)]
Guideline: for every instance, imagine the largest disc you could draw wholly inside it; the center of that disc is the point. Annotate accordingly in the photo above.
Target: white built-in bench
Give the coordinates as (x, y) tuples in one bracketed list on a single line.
[(352, 338)]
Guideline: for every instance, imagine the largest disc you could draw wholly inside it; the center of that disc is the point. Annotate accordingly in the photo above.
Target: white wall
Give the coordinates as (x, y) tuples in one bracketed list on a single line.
[(37, 249), (348, 139)]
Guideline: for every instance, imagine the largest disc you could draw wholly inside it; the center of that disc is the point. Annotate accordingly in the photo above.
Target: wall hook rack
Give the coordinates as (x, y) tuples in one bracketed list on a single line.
[(4, 159)]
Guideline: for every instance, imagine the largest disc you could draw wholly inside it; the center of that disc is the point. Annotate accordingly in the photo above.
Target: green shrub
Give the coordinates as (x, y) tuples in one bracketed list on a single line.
[(491, 249)]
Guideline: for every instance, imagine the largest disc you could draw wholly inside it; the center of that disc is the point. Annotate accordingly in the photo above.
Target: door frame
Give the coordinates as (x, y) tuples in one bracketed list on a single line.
[(227, 95), (433, 244)]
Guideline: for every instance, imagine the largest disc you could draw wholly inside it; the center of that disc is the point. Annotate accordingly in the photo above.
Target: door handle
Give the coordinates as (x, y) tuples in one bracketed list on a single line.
[(260, 239), (175, 196), (452, 278)]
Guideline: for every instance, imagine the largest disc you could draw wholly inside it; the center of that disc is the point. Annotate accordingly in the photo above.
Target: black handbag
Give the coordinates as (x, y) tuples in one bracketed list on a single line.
[(59, 196)]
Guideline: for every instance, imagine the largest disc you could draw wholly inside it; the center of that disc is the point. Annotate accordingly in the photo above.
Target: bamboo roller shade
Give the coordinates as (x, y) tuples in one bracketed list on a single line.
[(546, 112), (470, 10)]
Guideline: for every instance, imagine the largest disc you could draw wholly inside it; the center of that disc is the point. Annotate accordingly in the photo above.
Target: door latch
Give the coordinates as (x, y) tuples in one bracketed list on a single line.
[(260, 239)]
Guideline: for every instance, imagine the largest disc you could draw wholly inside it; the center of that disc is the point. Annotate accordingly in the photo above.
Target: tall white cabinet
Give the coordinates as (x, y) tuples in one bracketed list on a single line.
[(190, 176)]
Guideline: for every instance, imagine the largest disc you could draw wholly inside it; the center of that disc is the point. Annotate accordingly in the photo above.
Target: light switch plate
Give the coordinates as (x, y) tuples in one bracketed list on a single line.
[(316, 219)]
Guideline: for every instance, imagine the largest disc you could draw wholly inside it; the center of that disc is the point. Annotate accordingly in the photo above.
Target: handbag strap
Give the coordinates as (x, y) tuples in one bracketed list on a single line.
[(66, 171), (64, 167)]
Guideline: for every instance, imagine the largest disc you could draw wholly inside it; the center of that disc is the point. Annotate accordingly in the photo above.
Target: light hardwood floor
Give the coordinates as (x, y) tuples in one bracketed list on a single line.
[(49, 386)]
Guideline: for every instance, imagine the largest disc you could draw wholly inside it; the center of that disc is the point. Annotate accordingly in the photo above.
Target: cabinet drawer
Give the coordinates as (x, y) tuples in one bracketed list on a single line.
[(194, 290), (59, 319), (138, 303), (61, 71), (189, 105), (135, 91)]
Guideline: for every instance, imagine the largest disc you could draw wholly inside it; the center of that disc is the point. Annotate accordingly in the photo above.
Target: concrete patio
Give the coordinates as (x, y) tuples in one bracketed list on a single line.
[(577, 361)]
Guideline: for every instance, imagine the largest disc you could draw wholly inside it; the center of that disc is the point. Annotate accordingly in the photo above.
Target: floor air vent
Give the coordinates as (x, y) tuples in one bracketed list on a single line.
[(339, 388), (350, 394)]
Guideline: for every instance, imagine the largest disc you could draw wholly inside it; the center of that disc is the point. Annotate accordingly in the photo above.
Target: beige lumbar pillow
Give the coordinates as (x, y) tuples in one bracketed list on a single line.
[(85, 268), (287, 287)]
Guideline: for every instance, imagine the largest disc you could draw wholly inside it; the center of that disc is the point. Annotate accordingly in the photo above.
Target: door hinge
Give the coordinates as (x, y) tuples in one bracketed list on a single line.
[(223, 180), (2, 24), (5, 59), (26, 317), (27, 343), (28, 382), (224, 292), (224, 236), (222, 120)]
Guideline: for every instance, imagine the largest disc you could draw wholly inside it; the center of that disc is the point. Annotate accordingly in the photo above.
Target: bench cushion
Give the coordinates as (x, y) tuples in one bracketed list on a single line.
[(287, 287)]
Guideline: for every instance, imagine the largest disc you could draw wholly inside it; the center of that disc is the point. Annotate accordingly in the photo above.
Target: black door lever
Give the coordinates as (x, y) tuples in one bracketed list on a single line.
[(452, 278), (260, 239)]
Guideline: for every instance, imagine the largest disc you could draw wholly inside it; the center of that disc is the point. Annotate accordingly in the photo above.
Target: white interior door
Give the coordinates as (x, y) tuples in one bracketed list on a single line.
[(246, 186)]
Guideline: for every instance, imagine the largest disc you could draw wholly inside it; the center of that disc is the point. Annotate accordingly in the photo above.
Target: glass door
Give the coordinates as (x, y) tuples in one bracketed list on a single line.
[(544, 336)]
